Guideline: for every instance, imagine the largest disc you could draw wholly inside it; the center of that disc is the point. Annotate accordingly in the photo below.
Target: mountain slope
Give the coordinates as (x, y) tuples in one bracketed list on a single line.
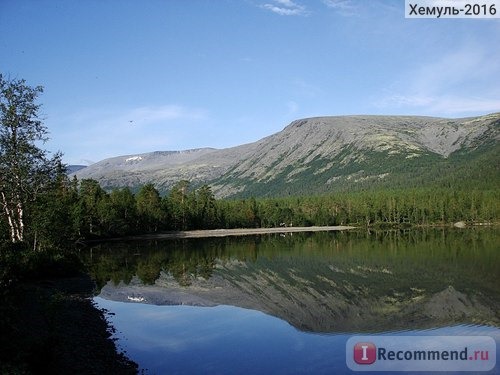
[(358, 152), (164, 168), (326, 154)]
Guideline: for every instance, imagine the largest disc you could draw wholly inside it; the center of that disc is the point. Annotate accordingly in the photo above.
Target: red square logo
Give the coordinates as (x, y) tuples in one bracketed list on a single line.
[(365, 353)]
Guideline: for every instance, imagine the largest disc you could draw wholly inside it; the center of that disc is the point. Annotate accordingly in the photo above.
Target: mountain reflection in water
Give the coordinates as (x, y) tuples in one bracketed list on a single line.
[(288, 304), (322, 282)]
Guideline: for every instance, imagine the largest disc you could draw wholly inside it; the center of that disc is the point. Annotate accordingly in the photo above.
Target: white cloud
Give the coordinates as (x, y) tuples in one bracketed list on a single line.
[(457, 105), (446, 105), (453, 70), (344, 7), (287, 3), (459, 82), (167, 113), (339, 4), (286, 8), (364, 8)]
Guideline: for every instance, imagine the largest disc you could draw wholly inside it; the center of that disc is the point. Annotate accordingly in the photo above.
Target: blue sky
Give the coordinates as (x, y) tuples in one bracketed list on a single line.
[(125, 77)]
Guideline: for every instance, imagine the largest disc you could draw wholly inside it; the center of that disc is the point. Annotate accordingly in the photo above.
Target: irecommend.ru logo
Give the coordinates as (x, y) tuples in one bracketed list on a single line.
[(421, 353)]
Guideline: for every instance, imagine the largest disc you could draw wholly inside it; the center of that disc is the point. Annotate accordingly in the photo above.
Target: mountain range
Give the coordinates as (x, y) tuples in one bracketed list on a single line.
[(325, 154)]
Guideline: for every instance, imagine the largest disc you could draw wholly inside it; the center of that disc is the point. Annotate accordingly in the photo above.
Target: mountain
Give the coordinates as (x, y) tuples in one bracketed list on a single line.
[(164, 168), (322, 154), (73, 168)]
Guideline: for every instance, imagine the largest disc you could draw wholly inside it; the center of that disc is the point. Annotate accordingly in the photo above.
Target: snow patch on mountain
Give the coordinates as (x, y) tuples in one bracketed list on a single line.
[(133, 159)]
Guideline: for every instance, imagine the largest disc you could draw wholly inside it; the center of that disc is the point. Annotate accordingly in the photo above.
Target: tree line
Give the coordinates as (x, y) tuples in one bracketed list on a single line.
[(75, 210), (71, 210)]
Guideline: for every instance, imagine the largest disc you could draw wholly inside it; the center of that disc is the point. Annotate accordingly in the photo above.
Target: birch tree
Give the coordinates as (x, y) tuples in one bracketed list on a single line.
[(25, 169)]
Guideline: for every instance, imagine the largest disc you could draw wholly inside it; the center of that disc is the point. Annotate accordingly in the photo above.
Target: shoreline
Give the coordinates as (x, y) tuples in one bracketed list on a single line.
[(212, 233), (207, 233), (44, 320)]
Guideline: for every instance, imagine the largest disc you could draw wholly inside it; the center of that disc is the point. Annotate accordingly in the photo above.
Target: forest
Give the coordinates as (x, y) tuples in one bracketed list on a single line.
[(73, 211)]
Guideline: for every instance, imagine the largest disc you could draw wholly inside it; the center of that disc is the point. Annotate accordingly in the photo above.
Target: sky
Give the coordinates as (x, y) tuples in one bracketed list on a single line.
[(123, 77)]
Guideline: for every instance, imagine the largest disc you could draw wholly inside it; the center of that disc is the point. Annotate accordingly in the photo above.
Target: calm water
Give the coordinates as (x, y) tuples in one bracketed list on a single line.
[(288, 304)]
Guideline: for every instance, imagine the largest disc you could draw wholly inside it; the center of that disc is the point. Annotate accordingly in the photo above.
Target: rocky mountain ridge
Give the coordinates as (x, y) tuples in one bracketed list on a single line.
[(330, 152)]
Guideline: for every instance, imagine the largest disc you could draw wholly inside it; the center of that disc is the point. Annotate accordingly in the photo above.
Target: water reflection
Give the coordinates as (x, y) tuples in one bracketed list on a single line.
[(221, 340), (323, 282), (232, 340)]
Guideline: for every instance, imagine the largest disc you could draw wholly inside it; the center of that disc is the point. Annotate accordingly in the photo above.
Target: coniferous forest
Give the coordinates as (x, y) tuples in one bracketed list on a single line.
[(73, 211)]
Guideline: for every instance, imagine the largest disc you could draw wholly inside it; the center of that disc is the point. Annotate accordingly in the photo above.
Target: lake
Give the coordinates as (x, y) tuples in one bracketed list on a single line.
[(289, 304)]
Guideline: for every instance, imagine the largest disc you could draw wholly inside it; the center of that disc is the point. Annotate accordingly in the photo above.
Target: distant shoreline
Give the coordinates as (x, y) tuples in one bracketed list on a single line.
[(228, 232), (210, 233)]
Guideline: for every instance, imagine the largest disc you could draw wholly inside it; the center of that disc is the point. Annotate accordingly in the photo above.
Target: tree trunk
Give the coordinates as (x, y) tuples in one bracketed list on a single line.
[(14, 219)]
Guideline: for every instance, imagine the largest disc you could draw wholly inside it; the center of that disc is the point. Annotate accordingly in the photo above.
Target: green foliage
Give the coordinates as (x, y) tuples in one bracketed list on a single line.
[(178, 205), (72, 211), (148, 203), (205, 211), (123, 211), (52, 216), (26, 171)]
